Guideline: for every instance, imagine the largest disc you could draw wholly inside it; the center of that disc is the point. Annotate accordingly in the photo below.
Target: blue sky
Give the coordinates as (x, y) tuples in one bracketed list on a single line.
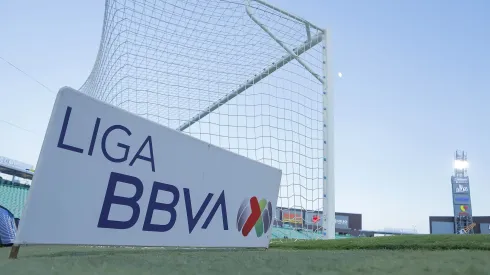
[(413, 91)]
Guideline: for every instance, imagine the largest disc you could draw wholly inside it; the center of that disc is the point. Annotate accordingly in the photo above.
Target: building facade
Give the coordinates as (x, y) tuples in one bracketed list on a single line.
[(445, 225)]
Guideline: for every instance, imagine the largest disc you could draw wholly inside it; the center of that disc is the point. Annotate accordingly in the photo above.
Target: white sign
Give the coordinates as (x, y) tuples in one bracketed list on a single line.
[(461, 180), (129, 181), (461, 189), (341, 222)]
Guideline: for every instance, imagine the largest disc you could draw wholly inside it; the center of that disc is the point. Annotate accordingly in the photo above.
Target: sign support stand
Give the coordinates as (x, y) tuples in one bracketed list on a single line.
[(14, 251)]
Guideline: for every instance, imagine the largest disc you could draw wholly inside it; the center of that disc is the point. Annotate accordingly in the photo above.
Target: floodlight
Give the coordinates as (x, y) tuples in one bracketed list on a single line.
[(460, 164)]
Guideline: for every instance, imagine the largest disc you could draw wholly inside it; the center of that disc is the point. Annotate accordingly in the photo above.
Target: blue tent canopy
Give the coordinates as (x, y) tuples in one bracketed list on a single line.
[(7, 227)]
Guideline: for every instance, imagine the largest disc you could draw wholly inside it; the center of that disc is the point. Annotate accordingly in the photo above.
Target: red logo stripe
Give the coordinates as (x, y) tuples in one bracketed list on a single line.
[(253, 218)]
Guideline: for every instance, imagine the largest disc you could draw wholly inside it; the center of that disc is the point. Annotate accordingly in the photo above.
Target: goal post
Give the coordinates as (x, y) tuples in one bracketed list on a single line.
[(243, 75), (328, 146)]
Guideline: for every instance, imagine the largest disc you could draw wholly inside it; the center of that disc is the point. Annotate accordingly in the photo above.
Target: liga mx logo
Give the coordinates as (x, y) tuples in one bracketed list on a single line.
[(254, 214)]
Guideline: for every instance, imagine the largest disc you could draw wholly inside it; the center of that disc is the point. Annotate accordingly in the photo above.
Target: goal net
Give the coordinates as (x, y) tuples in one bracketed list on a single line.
[(242, 75)]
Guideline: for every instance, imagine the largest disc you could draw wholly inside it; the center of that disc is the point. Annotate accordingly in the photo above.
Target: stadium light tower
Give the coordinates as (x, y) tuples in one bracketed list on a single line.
[(463, 220)]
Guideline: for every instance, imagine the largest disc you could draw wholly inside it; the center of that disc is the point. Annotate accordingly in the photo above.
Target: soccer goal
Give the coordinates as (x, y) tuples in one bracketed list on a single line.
[(243, 75)]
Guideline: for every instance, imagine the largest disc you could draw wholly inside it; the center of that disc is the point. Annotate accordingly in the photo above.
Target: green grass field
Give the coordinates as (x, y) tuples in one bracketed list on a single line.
[(428, 254)]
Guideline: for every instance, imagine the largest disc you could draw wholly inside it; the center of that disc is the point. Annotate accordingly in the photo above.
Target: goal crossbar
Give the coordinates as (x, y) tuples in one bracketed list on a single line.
[(290, 52), (288, 14), (315, 40)]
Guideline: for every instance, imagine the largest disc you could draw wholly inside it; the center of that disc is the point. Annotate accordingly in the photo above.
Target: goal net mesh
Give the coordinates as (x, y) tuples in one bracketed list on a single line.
[(216, 70)]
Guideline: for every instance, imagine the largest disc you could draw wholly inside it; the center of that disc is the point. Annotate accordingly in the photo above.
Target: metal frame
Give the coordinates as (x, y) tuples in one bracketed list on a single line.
[(290, 52), (328, 118), (462, 223), (328, 147), (276, 65)]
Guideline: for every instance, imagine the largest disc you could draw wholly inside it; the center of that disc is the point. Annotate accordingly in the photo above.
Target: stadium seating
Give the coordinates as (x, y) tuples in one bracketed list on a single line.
[(291, 233), (13, 196), (287, 233)]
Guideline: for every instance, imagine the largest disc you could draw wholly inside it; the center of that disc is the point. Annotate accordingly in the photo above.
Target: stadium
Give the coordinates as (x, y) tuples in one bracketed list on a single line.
[(292, 229), (289, 223), (202, 141)]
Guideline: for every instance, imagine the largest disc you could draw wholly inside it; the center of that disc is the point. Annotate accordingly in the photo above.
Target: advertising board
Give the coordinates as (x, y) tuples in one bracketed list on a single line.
[(462, 209), (341, 221), (294, 216), (315, 218), (461, 199), (460, 180), (131, 182), (461, 188)]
